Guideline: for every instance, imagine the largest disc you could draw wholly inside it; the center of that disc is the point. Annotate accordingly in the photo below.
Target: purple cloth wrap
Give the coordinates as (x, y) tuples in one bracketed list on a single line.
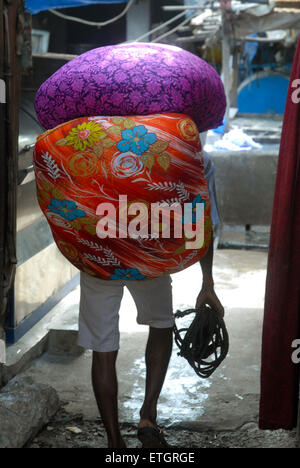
[(133, 79)]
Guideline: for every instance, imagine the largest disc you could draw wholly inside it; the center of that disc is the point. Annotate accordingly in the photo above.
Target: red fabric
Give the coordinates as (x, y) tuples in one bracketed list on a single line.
[(279, 375), (150, 159)]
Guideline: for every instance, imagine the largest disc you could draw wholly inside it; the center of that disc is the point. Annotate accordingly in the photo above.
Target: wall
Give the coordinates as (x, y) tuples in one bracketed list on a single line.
[(245, 183)]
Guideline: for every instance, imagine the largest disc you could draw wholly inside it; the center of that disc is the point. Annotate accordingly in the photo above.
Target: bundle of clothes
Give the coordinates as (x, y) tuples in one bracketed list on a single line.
[(122, 139)]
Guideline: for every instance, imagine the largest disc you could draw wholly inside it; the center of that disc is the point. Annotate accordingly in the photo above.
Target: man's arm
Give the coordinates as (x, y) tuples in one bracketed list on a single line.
[(207, 294)]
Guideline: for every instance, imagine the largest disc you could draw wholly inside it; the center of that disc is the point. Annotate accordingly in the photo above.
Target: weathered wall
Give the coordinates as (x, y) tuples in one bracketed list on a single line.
[(245, 183)]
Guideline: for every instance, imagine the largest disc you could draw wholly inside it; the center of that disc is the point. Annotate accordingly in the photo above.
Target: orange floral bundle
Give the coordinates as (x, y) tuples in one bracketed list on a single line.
[(101, 182)]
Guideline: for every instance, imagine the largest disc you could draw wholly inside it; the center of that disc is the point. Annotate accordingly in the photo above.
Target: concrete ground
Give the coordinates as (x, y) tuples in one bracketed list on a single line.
[(198, 412)]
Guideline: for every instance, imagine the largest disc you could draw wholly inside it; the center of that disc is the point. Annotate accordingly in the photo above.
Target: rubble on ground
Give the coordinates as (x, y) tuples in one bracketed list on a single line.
[(91, 434)]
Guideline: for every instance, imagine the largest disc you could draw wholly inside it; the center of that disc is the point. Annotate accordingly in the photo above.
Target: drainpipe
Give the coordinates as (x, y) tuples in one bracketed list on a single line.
[(138, 20)]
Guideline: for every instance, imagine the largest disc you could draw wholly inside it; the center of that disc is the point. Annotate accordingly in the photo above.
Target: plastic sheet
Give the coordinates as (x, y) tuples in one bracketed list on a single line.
[(35, 6)]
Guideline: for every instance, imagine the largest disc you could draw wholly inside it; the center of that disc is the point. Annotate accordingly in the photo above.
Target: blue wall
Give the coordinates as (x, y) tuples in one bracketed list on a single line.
[(264, 95)]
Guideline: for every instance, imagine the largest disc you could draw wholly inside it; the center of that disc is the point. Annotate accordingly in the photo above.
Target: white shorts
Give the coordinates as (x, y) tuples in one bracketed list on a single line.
[(100, 302)]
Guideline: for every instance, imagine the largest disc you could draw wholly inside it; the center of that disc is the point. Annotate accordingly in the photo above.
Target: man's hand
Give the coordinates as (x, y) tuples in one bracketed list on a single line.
[(208, 296)]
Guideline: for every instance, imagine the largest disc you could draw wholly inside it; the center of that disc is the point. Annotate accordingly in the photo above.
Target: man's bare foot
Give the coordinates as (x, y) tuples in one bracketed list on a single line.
[(150, 435)]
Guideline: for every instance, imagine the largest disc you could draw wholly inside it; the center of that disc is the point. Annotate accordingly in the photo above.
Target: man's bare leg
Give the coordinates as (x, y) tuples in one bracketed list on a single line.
[(105, 385), (158, 353)]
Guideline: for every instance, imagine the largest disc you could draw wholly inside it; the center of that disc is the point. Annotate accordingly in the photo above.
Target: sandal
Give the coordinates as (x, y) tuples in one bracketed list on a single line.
[(152, 437)]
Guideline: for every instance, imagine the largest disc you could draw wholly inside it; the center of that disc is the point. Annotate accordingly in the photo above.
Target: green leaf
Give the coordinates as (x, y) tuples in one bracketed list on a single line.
[(75, 224), (86, 220), (45, 195), (115, 130), (108, 143), (164, 161), (128, 123), (180, 249), (62, 142), (98, 150), (57, 194), (91, 228), (159, 146), (117, 120), (148, 160)]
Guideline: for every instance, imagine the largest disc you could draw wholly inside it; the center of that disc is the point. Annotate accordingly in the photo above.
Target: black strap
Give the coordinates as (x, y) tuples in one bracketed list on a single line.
[(205, 343)]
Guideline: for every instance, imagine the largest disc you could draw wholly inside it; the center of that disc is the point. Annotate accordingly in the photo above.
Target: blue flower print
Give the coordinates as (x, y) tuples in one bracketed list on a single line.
[(136, 139), (190, 211), (66, 208), (127, 274)]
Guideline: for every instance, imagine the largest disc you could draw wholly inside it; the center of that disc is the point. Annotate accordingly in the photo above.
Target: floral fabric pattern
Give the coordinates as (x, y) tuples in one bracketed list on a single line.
[(190, 214), (126, 165), (127, 274), (154, 159), (136, 140), (133, 79), (65, 208), (85, 134)]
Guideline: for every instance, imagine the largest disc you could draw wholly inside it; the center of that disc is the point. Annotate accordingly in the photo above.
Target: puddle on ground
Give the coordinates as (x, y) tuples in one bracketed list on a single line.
[(183, 395)]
